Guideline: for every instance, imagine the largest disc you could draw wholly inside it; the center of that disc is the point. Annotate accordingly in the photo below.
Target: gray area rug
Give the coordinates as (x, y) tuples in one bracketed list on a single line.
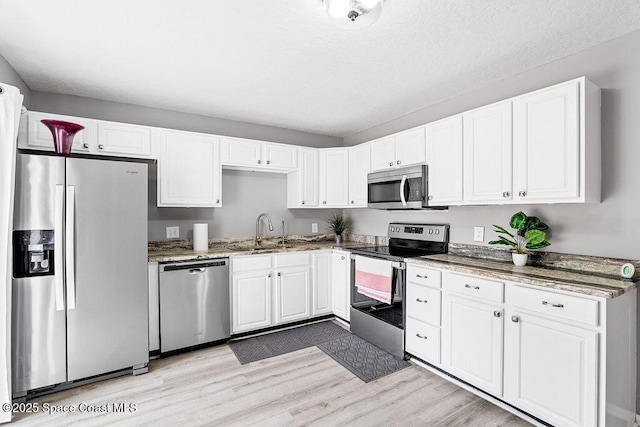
[(362, 358), (282, 342)]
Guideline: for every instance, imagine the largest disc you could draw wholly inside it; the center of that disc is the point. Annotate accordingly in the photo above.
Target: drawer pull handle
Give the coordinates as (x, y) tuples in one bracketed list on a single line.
[(553, 305), (420, 336), (468, 286), (422, 300), (515, 319), (497, 313), (420, 276)]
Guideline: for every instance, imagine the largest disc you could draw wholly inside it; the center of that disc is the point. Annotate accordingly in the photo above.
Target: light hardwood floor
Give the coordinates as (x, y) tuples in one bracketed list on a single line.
[(210, 387)]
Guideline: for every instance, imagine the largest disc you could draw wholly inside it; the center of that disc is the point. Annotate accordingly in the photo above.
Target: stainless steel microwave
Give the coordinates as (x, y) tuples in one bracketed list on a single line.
[(403, 188)]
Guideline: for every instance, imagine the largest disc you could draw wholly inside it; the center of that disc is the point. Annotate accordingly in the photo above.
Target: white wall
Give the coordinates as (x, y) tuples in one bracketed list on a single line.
[(8, 75), (608, 229)]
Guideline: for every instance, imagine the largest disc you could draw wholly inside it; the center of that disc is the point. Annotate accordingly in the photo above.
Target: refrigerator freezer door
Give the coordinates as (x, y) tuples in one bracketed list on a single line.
[(38, 324), (108, 328)]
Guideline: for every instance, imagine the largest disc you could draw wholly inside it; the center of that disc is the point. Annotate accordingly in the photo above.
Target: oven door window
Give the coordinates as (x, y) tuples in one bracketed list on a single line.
[(384, 192)]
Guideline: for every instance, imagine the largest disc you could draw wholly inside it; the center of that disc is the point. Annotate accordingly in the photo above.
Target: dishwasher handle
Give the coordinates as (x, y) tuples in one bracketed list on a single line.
[(194, 268)]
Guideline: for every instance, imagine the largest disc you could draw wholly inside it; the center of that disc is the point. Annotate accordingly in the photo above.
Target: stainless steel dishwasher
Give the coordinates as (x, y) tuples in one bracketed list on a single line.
[(194, 303)]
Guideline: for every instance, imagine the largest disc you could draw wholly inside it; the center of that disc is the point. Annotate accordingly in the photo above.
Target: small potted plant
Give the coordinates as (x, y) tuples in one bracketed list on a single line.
[(530, 234), (338, 225)]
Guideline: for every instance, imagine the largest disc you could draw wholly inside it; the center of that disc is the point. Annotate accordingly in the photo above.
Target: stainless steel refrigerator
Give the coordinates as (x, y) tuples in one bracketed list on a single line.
[(80, 270)]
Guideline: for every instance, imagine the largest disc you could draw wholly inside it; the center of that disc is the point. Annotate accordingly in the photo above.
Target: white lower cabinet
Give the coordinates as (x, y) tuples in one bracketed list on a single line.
[(321, 298), (251, 293), (551, 370), (565, 358), (341, 284), (472, 341), (292, 294)]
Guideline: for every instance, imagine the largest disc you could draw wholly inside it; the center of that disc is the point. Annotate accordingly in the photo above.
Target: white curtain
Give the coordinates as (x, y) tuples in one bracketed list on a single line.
[(10, 107)]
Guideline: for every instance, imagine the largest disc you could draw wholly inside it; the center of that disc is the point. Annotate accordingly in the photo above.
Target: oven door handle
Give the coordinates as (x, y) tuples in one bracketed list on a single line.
[(403, 183), (398, 265)]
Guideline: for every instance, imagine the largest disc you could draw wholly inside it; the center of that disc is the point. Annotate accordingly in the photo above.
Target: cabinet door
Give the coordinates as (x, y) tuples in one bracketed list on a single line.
[(280, 156), (359, 167), (383, 154), (472, 346), (487, 154), (189, 172), (251, 300), (309, 175), (546, 145), (321, 298), (39, 136), (341, 284), (444, 158), (241, 152), (124, 139), (551, 370), (334, 177), (292, 294), (410, 147)]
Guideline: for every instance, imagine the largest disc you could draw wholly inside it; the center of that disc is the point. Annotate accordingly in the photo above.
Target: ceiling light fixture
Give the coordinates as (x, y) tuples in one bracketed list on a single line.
[(353, 14)]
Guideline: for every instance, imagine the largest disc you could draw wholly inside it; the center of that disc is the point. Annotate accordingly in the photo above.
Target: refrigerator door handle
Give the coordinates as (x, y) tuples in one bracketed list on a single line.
[(70, 248), (57, 247)]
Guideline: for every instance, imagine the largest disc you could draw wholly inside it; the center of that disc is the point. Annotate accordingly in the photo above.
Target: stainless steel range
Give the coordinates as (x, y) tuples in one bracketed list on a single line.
[(377, 297)]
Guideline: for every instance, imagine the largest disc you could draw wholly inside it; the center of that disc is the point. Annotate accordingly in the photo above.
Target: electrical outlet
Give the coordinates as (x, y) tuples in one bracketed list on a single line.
[(314, 227), (478, 234), (173, 232)]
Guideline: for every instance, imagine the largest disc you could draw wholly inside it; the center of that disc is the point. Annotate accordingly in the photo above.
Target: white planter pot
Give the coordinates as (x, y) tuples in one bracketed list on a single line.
[(519, 259)]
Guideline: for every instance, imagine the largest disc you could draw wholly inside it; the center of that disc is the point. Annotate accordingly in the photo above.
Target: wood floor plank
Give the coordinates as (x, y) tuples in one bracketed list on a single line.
[(303, 388)]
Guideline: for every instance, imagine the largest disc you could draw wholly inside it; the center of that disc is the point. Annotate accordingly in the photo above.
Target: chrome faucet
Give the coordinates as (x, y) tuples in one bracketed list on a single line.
[(258, 236)]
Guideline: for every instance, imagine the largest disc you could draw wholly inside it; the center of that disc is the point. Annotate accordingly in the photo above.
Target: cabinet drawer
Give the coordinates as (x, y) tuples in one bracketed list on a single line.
[(474, 287), (423, 303), (560, 306), (250, 263), (423, 340), (292, 260), (424, 276)]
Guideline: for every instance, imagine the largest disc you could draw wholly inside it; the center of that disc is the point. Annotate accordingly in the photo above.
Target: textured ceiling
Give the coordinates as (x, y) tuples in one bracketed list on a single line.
[(283, 63)]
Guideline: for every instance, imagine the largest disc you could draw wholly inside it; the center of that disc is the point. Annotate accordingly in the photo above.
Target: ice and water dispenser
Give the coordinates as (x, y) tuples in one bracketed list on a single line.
[(33, 253)]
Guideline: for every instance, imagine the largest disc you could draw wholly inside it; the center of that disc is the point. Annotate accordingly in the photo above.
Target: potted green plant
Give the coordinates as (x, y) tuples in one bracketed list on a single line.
[(338, 225), (530, 233)]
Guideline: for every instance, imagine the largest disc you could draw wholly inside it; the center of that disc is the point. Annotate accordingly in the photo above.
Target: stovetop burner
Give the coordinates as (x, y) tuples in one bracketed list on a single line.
[(395, 252)]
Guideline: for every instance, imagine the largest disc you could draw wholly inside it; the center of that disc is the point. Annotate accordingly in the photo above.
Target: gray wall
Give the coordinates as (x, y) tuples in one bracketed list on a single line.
[(608, 229), (128, 113), (244, 196), (8, 75)]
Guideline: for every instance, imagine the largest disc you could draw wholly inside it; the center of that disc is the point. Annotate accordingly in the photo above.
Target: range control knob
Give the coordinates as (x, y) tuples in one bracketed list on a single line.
[(431, 231), (437, 231)]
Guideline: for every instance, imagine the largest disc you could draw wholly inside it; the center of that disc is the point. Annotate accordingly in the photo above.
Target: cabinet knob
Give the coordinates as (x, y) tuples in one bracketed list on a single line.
[(279, 274), (268, 162), (303, 202), (398, 162), (515, 319), (430, 198), (269, 276), (497, 313), (85, 145), (505, 194), (352, 202), (342, 258), (217, 200), (522, 193), (420, 336), (100, 146), (390, 163), (259, 162), (324, 202)]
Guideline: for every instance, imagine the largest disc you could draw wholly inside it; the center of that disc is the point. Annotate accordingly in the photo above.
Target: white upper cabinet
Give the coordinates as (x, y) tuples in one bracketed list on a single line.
[(334, 177), (189, 172), (124, 139), (248, 154), (302, 185), (36, 136), (444, 159), (546, 144), (399, 150), (488, 154), (359, 168)]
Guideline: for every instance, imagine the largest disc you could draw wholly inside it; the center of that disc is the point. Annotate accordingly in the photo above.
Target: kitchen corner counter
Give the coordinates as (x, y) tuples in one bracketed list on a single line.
[(587, 283), (224, 250)]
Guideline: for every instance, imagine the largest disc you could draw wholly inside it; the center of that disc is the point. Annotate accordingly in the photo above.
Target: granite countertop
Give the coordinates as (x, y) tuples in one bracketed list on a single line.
[(222, 248), (598, 285)]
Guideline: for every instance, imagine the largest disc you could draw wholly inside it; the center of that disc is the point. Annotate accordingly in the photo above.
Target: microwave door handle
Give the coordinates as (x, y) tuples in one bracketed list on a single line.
[(403, 183)]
